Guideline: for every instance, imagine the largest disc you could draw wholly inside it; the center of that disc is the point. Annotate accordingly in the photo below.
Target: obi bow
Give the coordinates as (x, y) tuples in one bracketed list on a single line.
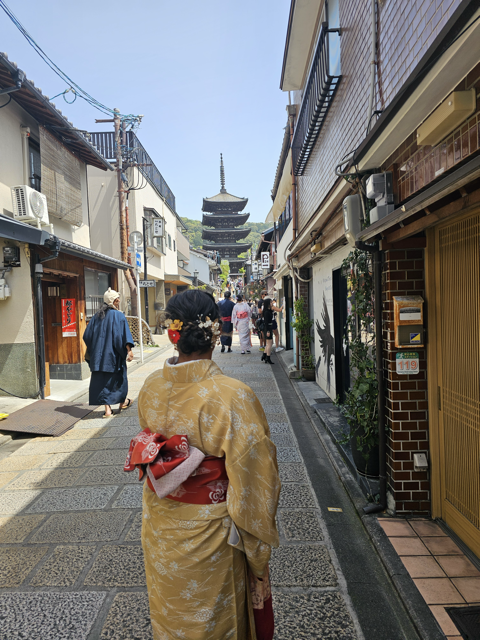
[(168, 462)]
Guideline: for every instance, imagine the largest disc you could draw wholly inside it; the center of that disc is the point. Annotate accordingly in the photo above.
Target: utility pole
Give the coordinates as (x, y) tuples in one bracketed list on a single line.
[(145, 276)]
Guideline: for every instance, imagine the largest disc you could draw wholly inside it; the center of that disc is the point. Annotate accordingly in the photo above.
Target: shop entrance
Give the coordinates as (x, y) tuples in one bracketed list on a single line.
[(342, 365), (455, 376)]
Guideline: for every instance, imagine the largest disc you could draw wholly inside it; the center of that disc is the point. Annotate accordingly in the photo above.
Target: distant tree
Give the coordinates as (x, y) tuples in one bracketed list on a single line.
[(225, 272)]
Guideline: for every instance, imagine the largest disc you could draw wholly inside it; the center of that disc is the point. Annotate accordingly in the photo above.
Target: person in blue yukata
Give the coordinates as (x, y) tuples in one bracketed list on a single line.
[(226, 308), (109, 347)]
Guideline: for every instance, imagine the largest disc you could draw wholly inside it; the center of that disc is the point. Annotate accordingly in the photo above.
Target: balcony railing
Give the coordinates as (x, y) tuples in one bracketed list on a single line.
[(134, 154), (317, 98)]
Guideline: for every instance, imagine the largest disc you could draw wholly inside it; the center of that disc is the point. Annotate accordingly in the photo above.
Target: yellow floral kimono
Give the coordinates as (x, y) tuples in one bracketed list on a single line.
[(196, 581)]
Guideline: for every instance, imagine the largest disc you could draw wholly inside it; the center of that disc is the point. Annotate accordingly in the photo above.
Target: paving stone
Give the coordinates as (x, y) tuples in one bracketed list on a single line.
[(114, 457), (132, 422), (124, 430), (300, 525), (19, 463), (283, 440), (130, 498), (16, 563), (15, 529), (68, 446), (288, 454), (296, 496), (118, 566), (13, 502), (73, 499), (279, 427), (46, 479), (135, 531), (73, 459), (36, 447), (292, 473), (5, 478), (314, 616), (276, 417), (128, 618), (121, 443), (302, 566), (107, 475), (76, 433), (63, 567), (96, 526), (48, 615), (93, 423)]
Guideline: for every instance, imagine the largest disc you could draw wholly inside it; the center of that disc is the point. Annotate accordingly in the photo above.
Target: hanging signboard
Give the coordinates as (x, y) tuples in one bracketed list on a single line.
[(69, 318), (146, 283), (158, 227), (265, 260), (254, 266), (407, 363)]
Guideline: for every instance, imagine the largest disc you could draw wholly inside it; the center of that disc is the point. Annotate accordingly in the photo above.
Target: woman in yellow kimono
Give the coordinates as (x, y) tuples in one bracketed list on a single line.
[(203, 557)]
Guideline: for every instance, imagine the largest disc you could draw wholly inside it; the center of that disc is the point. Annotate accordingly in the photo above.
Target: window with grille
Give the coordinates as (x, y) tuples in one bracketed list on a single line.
[(96, 283)]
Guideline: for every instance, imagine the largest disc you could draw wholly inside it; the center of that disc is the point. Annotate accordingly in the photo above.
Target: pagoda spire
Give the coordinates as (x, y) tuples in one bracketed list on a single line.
[(222, 176)]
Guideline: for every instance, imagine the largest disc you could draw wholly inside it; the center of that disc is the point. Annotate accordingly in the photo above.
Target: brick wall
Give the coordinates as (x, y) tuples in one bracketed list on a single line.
[(406, 395), (303, 292), (406, 30)]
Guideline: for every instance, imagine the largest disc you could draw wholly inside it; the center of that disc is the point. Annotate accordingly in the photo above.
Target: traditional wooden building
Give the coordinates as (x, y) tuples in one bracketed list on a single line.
[(222, 214)]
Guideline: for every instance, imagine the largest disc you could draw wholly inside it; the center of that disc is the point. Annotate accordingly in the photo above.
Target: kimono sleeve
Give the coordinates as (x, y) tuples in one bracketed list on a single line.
[(121, 334), (254, 483), (234, 315)]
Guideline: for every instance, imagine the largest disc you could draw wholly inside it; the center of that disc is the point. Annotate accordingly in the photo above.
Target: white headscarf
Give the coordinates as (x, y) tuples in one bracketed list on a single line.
[(110, 296)]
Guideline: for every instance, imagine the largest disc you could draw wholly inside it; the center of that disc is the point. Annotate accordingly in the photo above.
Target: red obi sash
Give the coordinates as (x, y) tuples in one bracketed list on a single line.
[(177, 470), (227, 318), (242, 315)]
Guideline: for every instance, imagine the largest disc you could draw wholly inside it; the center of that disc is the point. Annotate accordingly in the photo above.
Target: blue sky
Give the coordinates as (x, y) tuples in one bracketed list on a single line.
[(205, 74)]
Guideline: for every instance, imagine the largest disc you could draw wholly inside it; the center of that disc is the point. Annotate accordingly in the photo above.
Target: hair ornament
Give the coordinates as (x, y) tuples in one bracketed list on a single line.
[(173, 329)]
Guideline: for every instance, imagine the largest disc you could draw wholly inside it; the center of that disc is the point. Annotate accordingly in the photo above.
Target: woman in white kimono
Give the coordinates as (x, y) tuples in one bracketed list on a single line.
[(241, 321)]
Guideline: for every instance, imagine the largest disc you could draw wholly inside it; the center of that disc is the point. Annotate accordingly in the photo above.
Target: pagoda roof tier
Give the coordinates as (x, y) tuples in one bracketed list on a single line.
[(227, 220), (225, 235), (239, 247), (237, 260), (224, 202)]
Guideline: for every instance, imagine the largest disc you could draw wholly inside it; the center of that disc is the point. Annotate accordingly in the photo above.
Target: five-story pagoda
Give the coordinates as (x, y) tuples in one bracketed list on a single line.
[(223, 213)]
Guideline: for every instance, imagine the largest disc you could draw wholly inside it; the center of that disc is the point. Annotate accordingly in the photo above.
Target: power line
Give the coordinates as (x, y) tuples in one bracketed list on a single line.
[(73, 86)]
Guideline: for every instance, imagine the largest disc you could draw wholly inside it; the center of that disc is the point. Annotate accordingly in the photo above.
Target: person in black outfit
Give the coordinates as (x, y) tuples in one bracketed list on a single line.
[(226, 308), (267, 312)]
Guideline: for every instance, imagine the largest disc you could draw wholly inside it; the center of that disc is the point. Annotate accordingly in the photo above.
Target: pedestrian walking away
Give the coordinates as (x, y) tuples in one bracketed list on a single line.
[(109, 346), (241, 321), (226, 309), (268, 310), (206, 559), (260, 311)]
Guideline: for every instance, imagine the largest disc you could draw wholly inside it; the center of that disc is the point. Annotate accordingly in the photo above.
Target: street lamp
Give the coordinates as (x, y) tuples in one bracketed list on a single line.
[(195, 278)]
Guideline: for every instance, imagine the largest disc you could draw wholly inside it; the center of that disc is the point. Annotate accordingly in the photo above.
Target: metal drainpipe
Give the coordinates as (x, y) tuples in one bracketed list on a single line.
[(291, 118), (382, 436), (41, 328)]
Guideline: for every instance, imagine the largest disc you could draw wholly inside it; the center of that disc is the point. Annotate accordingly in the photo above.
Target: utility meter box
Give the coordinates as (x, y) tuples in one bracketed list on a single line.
[(408, 321)]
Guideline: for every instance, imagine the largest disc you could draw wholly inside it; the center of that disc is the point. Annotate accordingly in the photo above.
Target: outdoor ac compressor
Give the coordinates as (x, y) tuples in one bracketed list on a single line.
[(5, 291)]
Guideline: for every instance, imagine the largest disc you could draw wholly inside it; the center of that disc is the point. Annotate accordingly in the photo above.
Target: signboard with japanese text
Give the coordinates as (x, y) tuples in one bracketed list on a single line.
[(158, 229), (254, 266), (407, 363), (265, 260), (146, 283), (69, 318)]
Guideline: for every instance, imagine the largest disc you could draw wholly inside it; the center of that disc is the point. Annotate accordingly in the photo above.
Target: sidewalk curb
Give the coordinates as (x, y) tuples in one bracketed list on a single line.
[(414, 604)]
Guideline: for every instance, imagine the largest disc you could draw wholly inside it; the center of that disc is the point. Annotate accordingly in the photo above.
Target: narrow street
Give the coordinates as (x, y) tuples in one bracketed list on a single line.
[(70, 519)]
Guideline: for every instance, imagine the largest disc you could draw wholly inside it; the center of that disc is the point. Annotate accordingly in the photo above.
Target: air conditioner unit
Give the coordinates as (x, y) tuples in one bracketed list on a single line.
[(30, 205)]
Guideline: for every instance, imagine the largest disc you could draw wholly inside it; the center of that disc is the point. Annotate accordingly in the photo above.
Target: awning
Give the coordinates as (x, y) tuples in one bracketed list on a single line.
[(84, 252), (284, 189), (14, 230), (176, 278)]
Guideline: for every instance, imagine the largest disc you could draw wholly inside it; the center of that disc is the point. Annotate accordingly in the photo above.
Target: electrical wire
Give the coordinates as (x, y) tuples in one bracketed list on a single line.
[(73, 86), (8, 101), (15, 396)]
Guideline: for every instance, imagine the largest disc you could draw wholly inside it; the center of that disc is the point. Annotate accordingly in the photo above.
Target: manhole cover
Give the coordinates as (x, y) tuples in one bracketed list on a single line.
[(467, 620), (322, 400), (46, 418)]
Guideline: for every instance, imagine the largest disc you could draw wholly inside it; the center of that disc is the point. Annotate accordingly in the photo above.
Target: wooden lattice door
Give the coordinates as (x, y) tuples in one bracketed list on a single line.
[(457, 275)]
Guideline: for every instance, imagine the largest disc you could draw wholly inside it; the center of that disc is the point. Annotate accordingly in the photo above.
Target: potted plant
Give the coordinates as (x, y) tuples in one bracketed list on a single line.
[(360, 403), (308, 367), (302, 325)]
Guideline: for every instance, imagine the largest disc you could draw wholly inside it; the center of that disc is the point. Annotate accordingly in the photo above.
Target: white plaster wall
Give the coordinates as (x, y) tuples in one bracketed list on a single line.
[(200, 263), (104, 216), (283, 244), (323, 290), (17, 312)]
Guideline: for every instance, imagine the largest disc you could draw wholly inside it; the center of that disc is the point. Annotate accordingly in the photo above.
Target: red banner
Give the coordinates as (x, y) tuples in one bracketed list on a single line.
[(69, 318)]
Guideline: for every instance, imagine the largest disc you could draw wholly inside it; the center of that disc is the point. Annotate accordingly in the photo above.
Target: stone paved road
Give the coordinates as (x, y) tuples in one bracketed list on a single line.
[(70, 554)]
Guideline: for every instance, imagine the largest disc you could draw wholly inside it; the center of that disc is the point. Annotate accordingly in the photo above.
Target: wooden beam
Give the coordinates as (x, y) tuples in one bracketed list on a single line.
[(463, 205)]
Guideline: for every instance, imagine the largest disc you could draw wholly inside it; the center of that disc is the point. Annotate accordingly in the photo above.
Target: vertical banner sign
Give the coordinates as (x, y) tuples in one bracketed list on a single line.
[(69, 318), (158, 228), (254, 266), (265, 260)]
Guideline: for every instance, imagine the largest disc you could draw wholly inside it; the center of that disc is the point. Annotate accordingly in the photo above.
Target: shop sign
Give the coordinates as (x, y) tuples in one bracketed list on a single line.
[(146, 283), (158, 228), (69, 318), (254, 266), (265, 260), (407, 363)]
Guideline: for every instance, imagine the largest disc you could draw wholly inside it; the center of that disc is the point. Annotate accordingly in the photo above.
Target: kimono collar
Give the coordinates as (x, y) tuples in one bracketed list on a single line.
[(193, 371)]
